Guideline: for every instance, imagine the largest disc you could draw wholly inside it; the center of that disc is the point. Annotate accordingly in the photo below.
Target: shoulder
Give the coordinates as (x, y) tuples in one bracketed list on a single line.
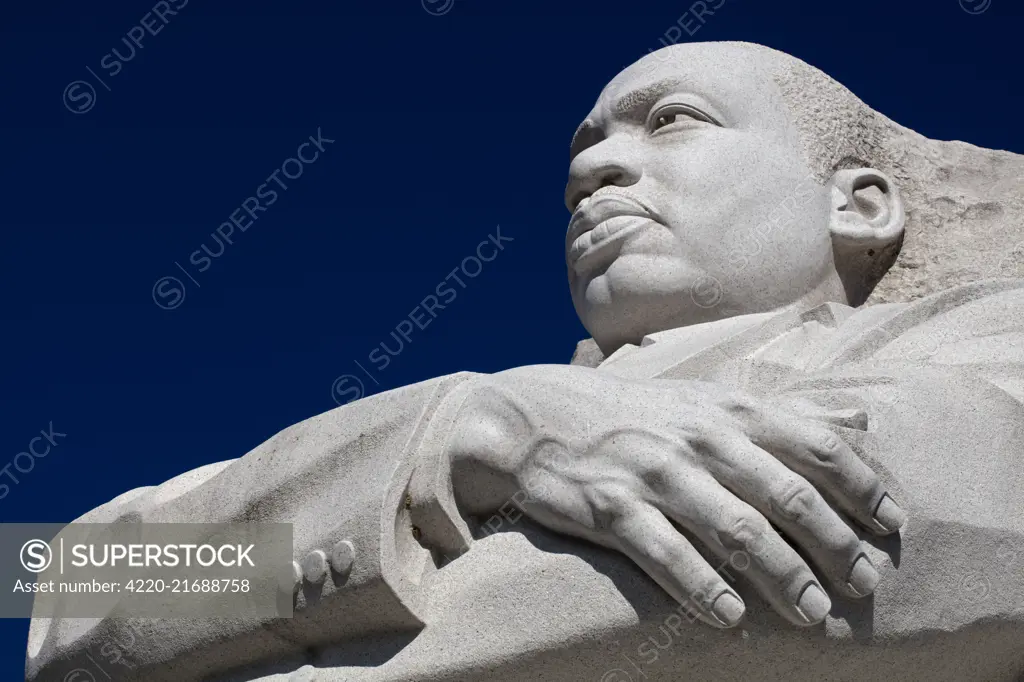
[(963, 324)]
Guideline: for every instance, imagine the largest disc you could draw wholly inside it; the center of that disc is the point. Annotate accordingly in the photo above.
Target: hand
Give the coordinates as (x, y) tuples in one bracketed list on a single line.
[(619, 461)]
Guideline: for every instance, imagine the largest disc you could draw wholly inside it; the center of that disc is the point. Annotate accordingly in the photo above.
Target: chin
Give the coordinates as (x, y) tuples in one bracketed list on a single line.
[(627, 316), (640, 294)]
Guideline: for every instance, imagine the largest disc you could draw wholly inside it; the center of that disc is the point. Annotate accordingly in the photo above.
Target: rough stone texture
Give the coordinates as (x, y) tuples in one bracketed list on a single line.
[(965, 204), (587, 354), (965, 220)]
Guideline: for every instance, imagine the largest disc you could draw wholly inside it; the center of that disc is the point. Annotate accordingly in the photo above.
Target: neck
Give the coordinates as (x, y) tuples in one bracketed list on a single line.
[(829, 290)]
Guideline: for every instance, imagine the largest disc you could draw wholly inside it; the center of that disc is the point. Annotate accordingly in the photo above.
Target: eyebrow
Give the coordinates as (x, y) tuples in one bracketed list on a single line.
[(631, 105), (638, 100)]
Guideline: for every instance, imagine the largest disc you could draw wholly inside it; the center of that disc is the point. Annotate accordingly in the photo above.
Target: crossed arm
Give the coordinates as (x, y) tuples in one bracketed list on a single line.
[(655, 469)]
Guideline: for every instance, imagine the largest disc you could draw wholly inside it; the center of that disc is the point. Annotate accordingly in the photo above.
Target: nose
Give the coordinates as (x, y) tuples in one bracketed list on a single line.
[(605, 163)]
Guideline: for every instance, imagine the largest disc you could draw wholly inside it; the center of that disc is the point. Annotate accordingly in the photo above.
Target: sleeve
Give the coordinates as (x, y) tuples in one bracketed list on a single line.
[(342, 479)]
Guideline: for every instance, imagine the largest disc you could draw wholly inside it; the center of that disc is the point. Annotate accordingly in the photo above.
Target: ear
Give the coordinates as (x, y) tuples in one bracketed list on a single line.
[(866, 221)]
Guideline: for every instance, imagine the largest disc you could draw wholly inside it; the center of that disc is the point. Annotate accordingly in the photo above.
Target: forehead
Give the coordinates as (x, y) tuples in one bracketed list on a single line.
[(735, 81)]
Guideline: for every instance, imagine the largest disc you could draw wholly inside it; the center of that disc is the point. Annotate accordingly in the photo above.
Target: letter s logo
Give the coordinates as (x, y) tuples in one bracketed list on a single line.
[(347, 388), (36, 556)]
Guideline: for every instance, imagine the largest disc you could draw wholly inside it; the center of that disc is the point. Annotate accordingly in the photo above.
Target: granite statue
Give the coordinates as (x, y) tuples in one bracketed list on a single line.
[(791, 450)]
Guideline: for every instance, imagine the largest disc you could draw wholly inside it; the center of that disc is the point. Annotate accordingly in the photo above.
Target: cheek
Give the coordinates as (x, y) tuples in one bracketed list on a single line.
[(790, 219), (735, 194), (711, 181)]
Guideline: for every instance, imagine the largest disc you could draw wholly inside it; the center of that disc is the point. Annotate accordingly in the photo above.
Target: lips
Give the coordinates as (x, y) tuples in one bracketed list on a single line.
[(600, 224)]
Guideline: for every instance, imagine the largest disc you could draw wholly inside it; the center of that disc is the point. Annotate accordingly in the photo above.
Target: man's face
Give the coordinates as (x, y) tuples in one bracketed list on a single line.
[(691, 198)]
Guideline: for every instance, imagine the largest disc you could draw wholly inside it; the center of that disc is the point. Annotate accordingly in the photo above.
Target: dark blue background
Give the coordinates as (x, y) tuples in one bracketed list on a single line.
[(445, 127)]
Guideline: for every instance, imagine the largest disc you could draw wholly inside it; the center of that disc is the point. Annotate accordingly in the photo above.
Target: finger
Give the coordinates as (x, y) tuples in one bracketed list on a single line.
[(823, 458), (852, 418), (791, 503), (647, 537), (742, 536)]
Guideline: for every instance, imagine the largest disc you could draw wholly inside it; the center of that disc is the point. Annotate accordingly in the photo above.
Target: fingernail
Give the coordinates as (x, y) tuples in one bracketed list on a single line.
[(864, 577), (889, 516), (814, 604), (728, 609)]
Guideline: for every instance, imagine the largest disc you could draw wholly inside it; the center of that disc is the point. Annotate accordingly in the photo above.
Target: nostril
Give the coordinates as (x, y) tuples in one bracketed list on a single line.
[(612, 179), (607, 176)]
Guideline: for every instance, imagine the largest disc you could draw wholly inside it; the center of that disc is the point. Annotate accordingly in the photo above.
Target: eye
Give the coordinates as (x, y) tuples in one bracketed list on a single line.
[(681, 114), (664, 120)]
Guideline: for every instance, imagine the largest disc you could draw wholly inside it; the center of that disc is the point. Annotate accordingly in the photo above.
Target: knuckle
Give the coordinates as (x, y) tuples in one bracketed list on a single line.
[(826, 448), (702, 442), (662, 553), (744, 532), (608, 502), (655, 479), (796, 499), (654, 461)]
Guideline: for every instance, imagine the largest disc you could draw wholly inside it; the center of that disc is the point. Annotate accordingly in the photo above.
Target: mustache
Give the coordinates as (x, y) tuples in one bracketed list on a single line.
[(607, 202)]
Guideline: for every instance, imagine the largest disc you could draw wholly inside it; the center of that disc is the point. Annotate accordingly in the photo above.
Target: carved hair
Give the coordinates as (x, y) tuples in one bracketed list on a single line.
[(964, 204)]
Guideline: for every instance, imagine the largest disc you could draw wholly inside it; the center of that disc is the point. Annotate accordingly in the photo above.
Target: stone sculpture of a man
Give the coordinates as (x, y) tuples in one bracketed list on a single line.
[(818, 488)]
